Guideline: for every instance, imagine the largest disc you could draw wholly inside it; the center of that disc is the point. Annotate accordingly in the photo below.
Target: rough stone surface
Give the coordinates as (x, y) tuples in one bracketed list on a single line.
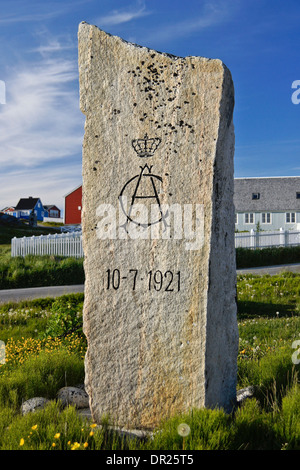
[(159, 311), (33, 404), (73, 396), (244, 393)]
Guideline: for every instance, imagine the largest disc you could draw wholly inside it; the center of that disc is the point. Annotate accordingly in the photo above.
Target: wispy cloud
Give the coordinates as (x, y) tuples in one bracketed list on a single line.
[(214, 12), (41, 126), (123, 15), (22, 12), (50, 185), (54, 45), (28, 17)]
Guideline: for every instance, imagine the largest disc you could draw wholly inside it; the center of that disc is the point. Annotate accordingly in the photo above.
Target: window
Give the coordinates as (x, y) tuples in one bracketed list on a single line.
[(255, 196), (249, 218), (298, 195), (236, 218), (266, 218), (290, 217)]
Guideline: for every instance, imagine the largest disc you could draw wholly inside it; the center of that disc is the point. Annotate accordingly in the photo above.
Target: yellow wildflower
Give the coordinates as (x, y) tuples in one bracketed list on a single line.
[(75, 446), (22, 442), (85, 445), (57, 435), (34, 427)]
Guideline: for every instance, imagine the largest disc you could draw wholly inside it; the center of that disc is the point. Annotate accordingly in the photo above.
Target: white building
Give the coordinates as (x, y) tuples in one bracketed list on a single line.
[(272, 202)]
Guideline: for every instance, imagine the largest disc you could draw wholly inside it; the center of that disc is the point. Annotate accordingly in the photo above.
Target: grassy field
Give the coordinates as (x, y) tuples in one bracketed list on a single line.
[(44, 341), (8, 231)]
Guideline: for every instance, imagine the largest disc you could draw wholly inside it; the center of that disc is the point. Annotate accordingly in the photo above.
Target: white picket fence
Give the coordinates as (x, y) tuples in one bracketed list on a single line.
[(58, 244), (70, 244), (255, 239)]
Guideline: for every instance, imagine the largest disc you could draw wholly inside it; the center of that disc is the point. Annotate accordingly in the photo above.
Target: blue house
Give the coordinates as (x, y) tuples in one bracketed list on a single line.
[(26, 205)]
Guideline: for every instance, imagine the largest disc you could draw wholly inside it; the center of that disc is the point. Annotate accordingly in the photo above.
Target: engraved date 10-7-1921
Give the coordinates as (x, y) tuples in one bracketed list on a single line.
[(133, 279)]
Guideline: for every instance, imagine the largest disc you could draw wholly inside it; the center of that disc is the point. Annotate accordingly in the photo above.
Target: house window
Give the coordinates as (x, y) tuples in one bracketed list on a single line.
[(298, 195), (249, 218), (290, 217), (266, 218), (236, 218), (79, 208), (255, 196)]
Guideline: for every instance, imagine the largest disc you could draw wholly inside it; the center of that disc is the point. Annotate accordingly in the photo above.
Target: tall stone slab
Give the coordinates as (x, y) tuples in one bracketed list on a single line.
[(158, 231)]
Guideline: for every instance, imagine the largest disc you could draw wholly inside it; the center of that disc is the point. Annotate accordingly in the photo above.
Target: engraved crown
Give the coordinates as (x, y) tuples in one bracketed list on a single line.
[(146, 147)]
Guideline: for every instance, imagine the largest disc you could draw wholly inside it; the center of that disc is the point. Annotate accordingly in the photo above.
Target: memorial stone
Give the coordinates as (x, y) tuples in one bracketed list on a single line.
[(158, 231)]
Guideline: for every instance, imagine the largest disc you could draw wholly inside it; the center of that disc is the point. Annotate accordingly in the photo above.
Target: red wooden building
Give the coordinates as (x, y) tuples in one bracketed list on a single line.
[(73, 206)]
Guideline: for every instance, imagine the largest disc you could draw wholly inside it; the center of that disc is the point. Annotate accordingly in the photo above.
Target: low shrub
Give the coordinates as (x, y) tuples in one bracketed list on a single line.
[(248, 258), (65, 318)]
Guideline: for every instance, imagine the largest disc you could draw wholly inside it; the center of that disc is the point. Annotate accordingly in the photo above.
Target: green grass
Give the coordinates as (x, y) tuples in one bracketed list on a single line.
[(270, 296), (269, 324), (34, 271), (37, 271)]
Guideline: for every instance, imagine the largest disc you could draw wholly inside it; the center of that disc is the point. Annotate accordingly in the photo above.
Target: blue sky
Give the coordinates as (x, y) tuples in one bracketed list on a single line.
[(42, 127)]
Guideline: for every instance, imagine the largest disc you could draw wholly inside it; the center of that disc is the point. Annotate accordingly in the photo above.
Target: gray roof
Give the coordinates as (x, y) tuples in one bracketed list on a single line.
[(275, 194)]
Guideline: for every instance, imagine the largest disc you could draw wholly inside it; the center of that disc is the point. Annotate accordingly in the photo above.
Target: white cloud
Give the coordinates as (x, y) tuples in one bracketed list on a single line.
[(42, 130), (214, 12), (41, 118), (26, 18), (123, 15), (50, 186)]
